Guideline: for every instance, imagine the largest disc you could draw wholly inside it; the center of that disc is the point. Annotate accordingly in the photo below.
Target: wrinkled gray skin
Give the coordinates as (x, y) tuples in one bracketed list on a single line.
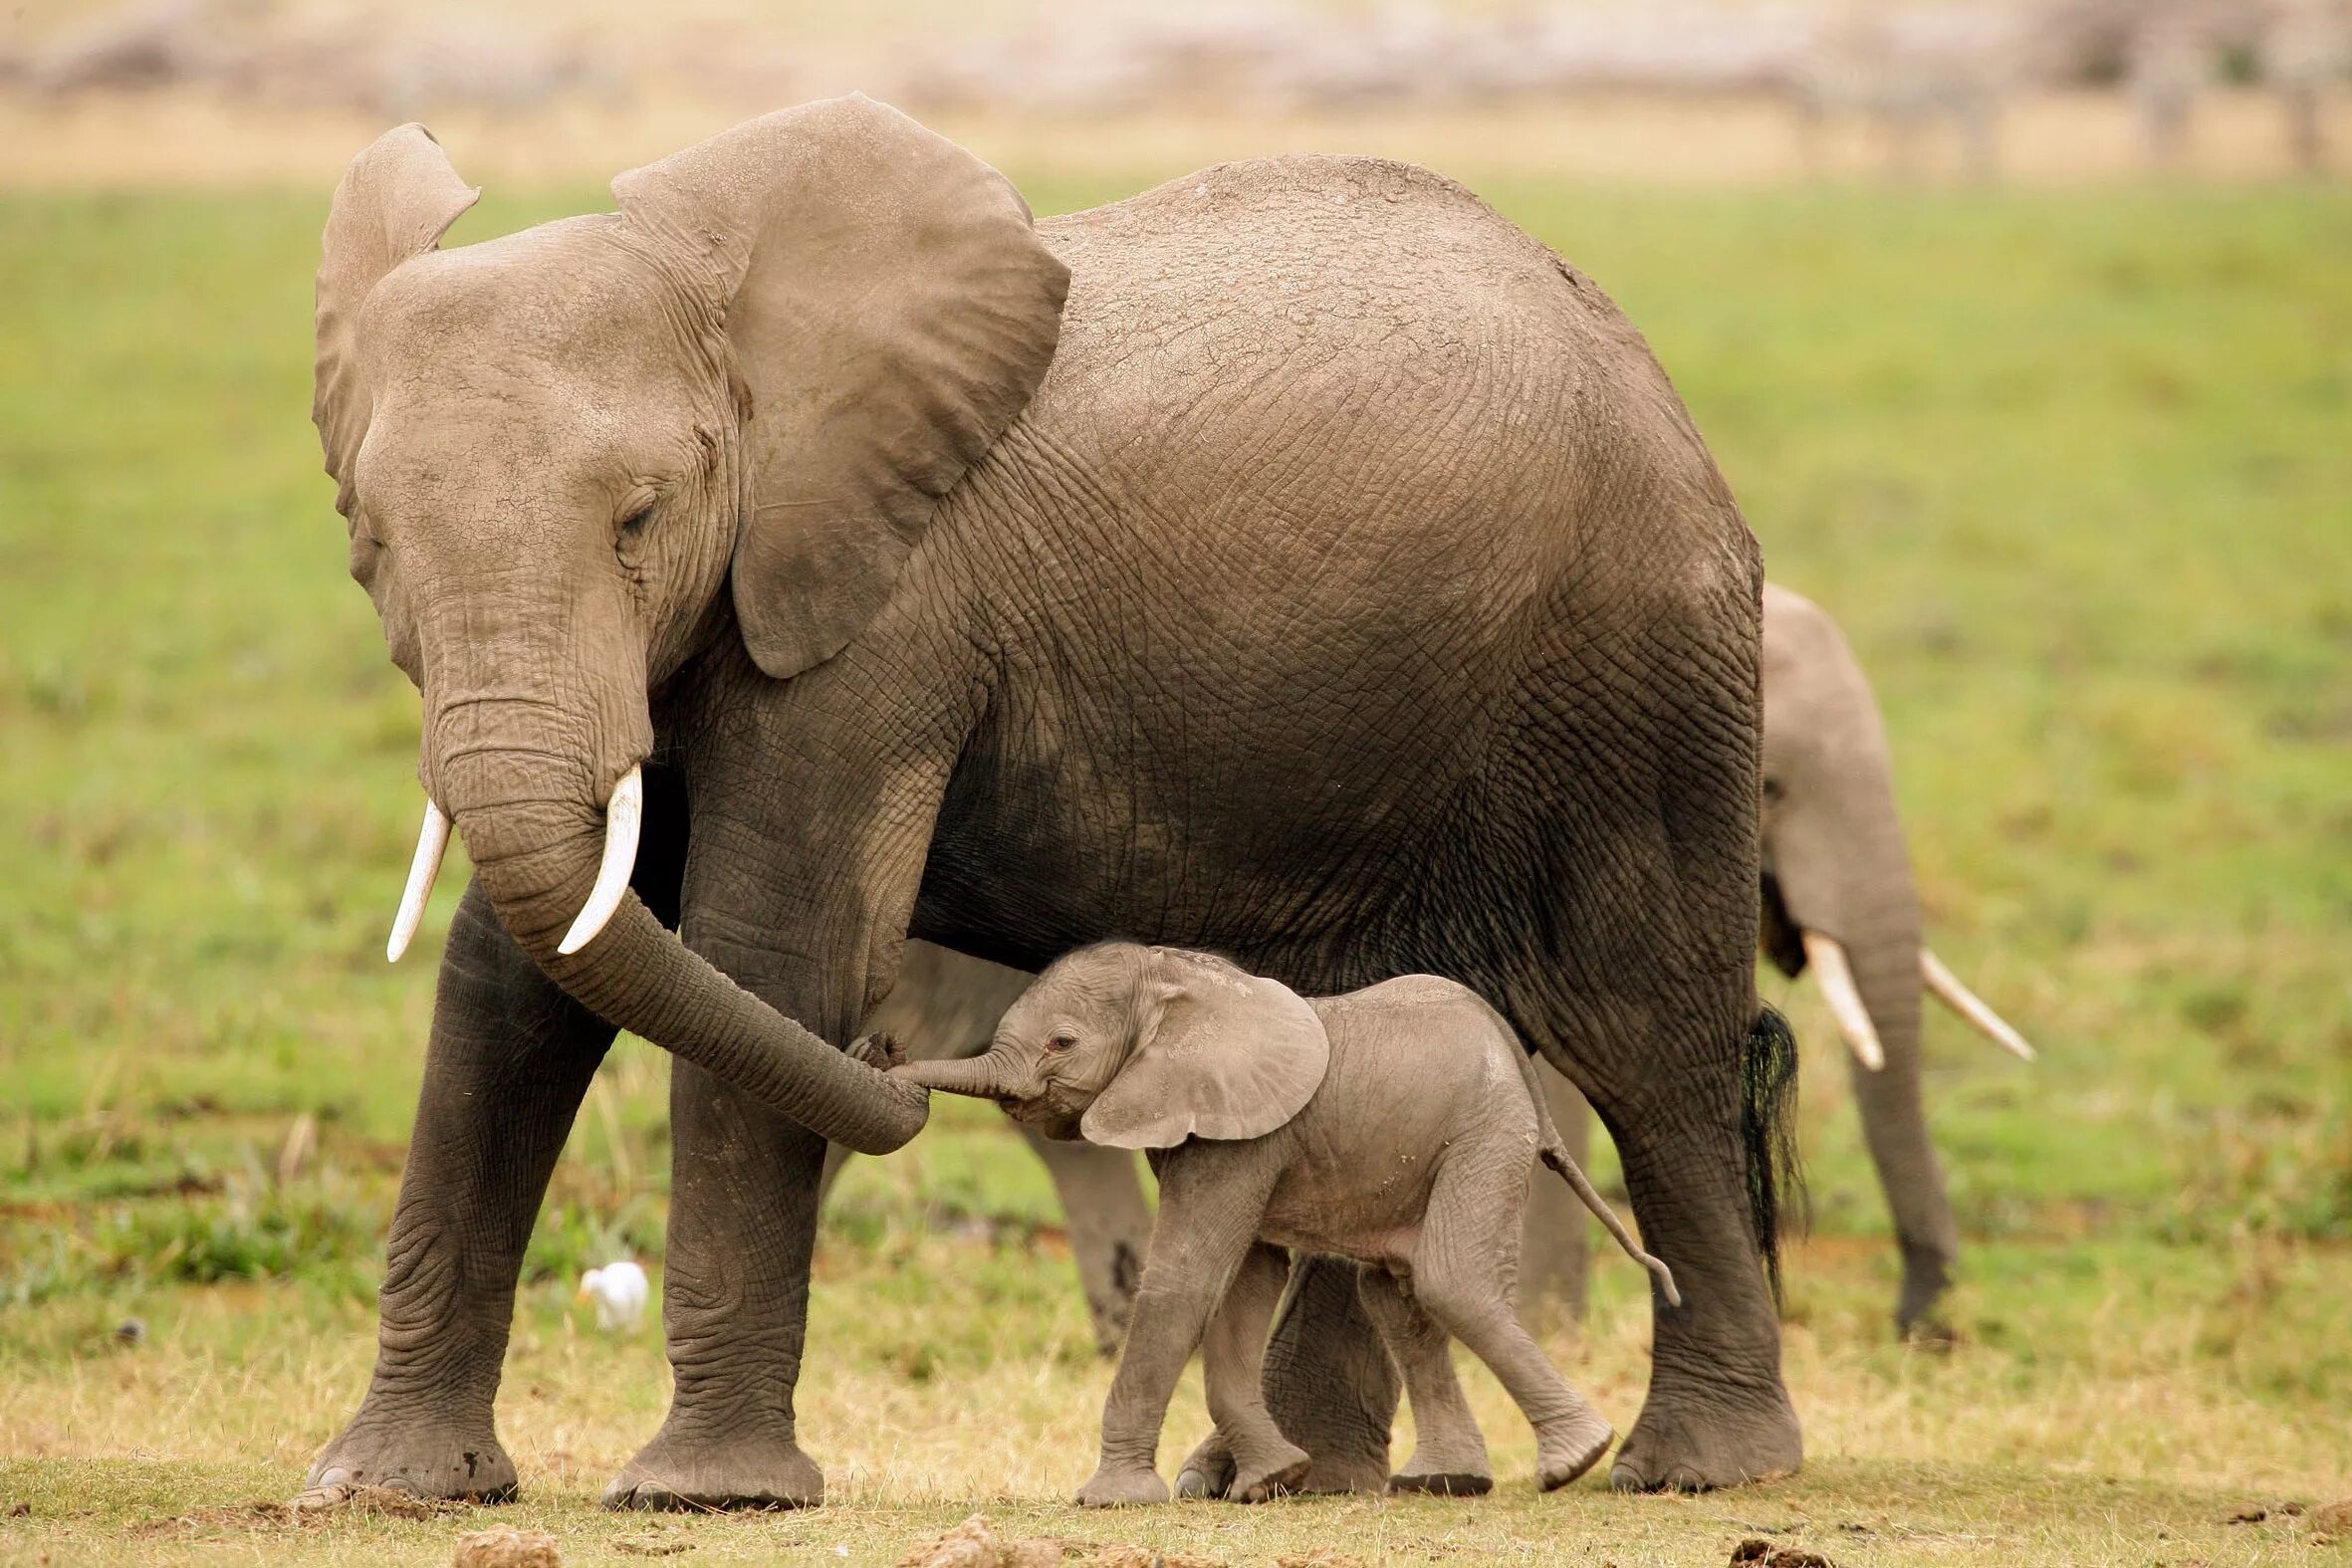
[(1296, 561), (1834, 860), (1395, 1127)]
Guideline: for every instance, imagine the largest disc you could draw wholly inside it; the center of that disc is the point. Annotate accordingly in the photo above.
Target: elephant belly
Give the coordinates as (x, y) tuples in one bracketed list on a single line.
[(1379, 1224)]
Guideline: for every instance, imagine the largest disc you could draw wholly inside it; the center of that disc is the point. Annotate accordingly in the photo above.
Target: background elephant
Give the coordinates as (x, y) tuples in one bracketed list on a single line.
[(1296, 561), (1837, 897)]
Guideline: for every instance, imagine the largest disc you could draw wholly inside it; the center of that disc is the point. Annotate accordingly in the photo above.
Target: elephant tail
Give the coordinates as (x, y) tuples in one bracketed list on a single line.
[(1767, 1133)]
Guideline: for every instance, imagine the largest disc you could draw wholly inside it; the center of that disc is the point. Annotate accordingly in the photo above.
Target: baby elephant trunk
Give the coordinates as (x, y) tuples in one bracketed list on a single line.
[(982, 1077), (1555, 1154)]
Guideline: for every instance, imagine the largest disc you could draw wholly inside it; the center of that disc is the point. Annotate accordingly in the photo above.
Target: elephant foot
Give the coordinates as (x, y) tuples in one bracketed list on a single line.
[(703, 1475), (1926, 1280), (1566, 1449), (1122, 1486), (1694, 1443), (1443, 1483), (424, 1458), (1268, 1475), (1207, 1471)]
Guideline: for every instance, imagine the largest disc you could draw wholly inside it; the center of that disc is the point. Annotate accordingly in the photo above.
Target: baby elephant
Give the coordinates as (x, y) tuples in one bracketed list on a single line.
[(1396, 1125)]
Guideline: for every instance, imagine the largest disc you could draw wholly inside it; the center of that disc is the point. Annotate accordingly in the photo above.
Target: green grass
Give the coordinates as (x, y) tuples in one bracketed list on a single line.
[(2071, 469)]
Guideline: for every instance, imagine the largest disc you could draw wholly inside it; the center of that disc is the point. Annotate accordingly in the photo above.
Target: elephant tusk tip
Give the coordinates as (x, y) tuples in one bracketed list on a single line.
[(623, 817), (432, 841)]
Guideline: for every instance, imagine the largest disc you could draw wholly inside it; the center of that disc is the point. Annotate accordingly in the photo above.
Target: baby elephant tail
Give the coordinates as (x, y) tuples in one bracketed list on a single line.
[(1554, 1152)]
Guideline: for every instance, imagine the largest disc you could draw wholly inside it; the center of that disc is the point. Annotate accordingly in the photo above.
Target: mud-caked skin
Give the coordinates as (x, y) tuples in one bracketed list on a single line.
[(1296, 561), (1394, 1127)]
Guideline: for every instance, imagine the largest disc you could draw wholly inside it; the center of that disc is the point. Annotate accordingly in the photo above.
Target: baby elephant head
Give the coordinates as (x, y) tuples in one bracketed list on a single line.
[(1142, 1047)]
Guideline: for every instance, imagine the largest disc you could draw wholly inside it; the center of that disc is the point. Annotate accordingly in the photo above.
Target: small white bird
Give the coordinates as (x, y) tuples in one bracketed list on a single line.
[(619, 1290)]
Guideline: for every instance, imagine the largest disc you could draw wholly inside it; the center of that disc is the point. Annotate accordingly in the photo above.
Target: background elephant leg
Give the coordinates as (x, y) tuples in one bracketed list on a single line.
[(735, 1292), (509, 1058), (1328, 1382), (1556, 1237), (1101, 1197)]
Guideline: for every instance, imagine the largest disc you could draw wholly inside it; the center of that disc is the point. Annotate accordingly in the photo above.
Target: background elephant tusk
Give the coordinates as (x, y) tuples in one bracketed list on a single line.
[(1827, 960), (624, 813), (1950, 992), (432, 841)]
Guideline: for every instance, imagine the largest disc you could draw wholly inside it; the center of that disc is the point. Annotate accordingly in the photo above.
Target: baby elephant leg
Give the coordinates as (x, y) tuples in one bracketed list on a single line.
[(1461, 1273), (1449, 1453), (1233, 1358)]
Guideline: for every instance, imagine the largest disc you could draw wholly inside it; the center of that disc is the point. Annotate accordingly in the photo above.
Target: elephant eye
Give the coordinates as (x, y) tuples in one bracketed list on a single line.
[(1061, 1042), (634, 523)]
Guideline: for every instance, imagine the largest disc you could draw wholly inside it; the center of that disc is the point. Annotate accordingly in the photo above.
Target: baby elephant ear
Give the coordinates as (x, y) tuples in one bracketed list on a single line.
[(1219, 1053)]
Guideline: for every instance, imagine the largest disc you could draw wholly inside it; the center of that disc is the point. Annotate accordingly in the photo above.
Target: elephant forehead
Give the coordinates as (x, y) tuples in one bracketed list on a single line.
[(567, 301)]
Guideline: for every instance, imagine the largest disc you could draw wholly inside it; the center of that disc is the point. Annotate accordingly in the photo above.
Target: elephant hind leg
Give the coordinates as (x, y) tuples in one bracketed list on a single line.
[(1463, 1267)]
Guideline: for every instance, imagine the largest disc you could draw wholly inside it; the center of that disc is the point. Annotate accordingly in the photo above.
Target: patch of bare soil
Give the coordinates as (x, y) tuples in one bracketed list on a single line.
[(974, 1544)]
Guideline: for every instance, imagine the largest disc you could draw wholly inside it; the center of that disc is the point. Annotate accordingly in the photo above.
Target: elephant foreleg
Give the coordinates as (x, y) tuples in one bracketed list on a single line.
[(735, 1297), (508, 1061), (509, 1058)]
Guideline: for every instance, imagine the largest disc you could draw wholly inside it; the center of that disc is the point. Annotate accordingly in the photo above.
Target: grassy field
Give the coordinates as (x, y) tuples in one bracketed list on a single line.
[(2072, 469)]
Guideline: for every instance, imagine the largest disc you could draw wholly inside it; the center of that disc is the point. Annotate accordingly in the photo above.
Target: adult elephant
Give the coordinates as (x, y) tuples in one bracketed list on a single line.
[(1837, 898), (1332, 579)]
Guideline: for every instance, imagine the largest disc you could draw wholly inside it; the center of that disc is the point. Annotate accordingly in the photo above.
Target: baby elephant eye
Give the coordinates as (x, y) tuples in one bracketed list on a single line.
[(1061, 1042)]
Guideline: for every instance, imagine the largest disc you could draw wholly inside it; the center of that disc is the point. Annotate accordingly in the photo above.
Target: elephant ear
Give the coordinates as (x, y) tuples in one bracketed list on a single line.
[(394, 202), (1219, 1053), (891, 309)]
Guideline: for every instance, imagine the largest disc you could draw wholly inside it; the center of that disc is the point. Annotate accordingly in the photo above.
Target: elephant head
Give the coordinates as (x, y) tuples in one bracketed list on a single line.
[(571, 458), (1142, 1047), (1838, 893)]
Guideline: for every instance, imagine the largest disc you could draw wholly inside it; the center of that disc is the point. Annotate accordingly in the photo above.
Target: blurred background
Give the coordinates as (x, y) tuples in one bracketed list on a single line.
[(2023, 334)]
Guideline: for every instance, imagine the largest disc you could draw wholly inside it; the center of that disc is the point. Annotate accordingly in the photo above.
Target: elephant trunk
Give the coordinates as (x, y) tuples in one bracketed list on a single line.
[(986, 1077), (533, 780), (1846, 877)]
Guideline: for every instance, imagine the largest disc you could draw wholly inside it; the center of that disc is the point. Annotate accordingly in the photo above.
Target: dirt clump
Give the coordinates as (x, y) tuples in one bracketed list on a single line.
[(385, 1502), (1765, 1555), (972, 1544), (504, 1547), (2331, 1521), (1320, 1557)]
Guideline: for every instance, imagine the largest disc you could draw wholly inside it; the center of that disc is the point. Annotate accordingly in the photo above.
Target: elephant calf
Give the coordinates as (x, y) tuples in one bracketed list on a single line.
[(1395, 1126)]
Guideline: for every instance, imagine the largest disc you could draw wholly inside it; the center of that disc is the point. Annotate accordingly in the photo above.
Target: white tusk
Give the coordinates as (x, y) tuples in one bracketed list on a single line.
[(432, 841), (1829, 963), (624, 813), (1950, 992)]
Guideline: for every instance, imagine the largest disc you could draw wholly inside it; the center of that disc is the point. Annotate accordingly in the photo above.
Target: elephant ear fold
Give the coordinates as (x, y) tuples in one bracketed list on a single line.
[(891, 309), (1219, 1053), (394, 202)]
